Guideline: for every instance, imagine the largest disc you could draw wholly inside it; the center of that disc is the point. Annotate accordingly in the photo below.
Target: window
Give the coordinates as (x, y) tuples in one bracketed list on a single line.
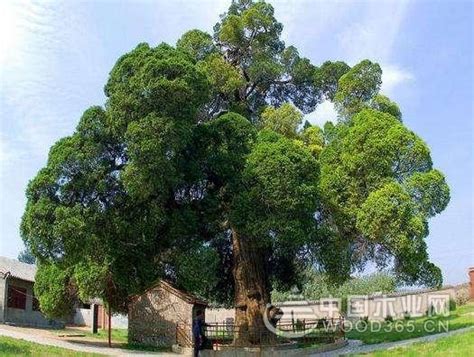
[(16, 297)]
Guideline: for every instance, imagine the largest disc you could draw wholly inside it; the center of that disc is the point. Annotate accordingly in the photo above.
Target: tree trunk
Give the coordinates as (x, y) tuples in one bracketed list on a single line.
[(251, 291)]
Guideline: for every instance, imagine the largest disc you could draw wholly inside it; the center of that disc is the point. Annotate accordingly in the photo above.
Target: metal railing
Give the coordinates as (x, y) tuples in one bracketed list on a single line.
[(285, 332)]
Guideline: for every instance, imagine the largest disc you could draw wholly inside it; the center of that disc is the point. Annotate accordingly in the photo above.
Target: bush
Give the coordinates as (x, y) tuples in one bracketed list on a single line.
[(365, 319), (406, 315), (462, 295), (54, 291), (319, 285), (299, 325), (431, 311), (389, 318), (452, 305)]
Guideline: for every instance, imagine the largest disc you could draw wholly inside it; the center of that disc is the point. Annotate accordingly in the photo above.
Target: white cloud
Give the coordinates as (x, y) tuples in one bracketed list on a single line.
[(374, 32), (392, 77), (324, 112)]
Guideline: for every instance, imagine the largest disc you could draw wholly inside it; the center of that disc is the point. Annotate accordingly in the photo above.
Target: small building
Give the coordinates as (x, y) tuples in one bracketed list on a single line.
[(18, 305), (162, 316)]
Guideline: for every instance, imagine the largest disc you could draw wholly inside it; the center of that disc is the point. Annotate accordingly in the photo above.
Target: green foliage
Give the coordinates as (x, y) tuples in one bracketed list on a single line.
[(406, 316), (200, 140), (161, 80), (385, 105), (54, 291), (357, 87), (197, 44), (452, 305), (248, 36), (327, 77), (388, 319), (25, 256), (276, 200), (224, 78), (369, 171), (90, 279), (313, 138), (316, 286), (197, 270), (284, 120)]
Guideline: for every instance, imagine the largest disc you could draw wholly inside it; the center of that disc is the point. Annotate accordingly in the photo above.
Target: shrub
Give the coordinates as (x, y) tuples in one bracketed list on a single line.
[(406, 315), (365, 319), (462, 295), (431, 311), (343, 309), (452, 305), (389, 318), (299, 325)]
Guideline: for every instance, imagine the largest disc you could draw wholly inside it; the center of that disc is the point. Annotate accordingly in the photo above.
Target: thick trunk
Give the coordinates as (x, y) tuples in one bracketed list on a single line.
[(251, 291)]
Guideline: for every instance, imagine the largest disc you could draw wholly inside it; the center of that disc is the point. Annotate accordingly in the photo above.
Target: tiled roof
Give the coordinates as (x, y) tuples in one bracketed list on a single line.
[(17, 269)]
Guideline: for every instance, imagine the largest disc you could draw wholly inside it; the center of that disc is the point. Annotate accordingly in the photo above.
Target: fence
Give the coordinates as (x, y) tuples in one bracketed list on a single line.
[(300, 331)]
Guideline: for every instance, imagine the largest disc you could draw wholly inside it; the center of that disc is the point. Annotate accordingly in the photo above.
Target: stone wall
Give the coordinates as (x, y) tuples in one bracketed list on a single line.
[(154, 316)]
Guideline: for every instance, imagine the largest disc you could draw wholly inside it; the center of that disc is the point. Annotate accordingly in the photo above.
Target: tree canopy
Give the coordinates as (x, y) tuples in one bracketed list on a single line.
[(197, 169)]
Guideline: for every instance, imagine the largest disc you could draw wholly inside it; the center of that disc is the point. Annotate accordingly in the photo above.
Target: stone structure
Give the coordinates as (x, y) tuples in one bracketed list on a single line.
[(163, 316), (18, 306)]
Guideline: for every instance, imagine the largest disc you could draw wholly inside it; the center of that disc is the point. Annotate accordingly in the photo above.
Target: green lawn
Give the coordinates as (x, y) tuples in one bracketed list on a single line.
[(119, 339), (118, 335), (10, 347), (457, 345), (398, 330)]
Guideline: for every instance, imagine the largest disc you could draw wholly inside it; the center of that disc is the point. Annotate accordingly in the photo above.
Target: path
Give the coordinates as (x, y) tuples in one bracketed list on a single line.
[(41, 338), (353, 347), (356, 346)]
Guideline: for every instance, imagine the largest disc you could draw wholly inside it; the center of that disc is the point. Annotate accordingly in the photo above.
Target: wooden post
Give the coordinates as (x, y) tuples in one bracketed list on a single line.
[(110, 326)]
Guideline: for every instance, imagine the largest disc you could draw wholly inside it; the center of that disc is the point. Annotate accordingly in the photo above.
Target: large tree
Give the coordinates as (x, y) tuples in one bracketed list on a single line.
[(197, 166)]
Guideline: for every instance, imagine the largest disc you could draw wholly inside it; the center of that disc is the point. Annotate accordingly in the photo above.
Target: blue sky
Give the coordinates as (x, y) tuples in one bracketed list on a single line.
[(55, 58)]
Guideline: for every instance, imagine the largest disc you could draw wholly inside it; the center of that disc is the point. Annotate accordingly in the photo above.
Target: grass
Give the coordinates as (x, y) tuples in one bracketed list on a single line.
[(10, 347), (457, 345), (398, 330), (119, 339), (117, 335)]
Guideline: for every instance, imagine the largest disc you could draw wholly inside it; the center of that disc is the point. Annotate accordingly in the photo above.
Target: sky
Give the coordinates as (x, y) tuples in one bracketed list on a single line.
[(55, 58)]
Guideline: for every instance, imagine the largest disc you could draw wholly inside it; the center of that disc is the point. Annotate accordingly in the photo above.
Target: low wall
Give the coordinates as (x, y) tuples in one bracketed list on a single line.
[(375, 307), (83, 317), (416, 303), (292, 310)]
